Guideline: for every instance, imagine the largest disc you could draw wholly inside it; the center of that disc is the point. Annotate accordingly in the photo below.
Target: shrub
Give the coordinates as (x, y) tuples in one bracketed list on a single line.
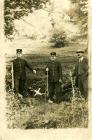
[(59, 39)]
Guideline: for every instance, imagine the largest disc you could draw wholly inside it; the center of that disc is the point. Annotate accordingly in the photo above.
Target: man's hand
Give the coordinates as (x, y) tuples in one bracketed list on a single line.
[(60, 80), (47, 69), (34, 71), (20, 96)]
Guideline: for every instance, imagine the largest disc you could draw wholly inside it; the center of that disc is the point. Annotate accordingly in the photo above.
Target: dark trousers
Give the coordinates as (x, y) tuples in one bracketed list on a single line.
[(19, 86), (83, 86), (54, 91)]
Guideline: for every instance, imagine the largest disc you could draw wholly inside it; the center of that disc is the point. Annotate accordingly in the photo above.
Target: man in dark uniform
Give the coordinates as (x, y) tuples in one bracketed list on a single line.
[(81, 74), (19, 72), (54, 70)]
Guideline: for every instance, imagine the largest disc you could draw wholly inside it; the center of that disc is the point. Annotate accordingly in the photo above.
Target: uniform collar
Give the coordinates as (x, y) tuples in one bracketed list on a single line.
[(81, 59), (18, 57)]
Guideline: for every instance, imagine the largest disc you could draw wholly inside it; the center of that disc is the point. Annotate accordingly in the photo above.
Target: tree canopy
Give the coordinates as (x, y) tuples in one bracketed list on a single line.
[(14, 9), (79, 15)]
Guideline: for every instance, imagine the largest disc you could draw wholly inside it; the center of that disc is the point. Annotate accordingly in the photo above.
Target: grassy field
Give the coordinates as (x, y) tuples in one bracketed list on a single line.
[(31, 113)]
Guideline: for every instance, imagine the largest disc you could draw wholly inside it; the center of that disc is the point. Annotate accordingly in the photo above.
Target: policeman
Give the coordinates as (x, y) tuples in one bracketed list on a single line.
[(81, 73), (54, 70), (19, 72)]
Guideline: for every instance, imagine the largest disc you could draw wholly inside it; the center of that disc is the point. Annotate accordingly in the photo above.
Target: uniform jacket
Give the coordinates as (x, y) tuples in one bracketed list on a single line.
[(81, 69), (19, 68), (55, 71)]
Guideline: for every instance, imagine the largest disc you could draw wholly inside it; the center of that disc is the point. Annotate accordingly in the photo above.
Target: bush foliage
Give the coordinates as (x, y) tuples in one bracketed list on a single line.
[(59, 39)]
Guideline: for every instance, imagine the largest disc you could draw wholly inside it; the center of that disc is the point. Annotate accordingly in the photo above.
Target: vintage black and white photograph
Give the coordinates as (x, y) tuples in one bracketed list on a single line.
[(47, 65)]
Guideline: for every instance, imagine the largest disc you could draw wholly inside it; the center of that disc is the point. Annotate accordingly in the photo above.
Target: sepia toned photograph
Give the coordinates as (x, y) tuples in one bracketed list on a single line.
[(47, 64)]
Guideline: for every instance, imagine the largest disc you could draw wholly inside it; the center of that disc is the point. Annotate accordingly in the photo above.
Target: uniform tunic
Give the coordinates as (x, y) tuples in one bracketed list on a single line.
[(54, 74), (19, 68)]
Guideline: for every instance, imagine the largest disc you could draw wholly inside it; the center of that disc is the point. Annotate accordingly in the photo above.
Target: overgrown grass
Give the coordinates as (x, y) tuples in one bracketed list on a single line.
[(30, 113)]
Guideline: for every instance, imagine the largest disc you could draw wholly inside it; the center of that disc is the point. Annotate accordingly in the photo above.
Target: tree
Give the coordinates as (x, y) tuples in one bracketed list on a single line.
[(15, 9), (79, 15)]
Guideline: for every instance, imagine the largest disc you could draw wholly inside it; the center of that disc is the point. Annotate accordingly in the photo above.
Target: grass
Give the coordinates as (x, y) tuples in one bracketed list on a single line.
[(30, 113)]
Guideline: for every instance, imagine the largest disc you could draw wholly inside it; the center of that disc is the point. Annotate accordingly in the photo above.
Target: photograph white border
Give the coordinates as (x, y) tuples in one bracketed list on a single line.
[(41, 134)]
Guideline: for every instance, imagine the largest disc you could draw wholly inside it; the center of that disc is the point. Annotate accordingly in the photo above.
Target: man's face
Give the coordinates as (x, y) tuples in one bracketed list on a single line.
[(53, 57), (80, 55), (19, 55)]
